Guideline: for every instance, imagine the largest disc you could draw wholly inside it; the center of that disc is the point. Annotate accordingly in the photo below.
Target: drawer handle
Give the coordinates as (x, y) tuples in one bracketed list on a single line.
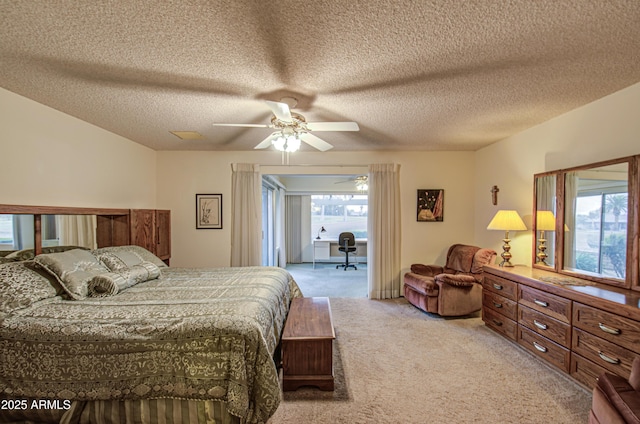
[(496, 322), (540, 325), (497, 286), (541, 303), (608, 329), (610, 360), (540, 347), (497, 305)]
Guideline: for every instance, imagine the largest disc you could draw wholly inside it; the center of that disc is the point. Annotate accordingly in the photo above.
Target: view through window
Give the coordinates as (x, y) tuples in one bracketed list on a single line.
[(601, 233), (339, 213)]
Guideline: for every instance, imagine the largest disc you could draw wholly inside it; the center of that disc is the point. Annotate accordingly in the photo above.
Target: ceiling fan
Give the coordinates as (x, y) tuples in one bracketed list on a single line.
[(292, 128), (361, 182)]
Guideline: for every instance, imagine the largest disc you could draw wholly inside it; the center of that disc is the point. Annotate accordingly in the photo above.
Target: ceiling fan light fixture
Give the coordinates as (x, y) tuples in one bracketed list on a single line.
[(362, 183), (289, 144), (293, 144)]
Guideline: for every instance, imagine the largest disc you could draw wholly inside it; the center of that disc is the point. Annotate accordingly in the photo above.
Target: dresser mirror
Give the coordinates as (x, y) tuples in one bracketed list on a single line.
[(586, 222), (544, 226)]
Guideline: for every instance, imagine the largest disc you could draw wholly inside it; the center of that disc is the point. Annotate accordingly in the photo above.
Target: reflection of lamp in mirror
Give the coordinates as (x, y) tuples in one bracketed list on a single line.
[(321, 230), (506, 221), (545, 221)]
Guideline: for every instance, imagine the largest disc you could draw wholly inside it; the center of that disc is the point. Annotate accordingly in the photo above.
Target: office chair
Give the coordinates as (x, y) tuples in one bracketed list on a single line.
[(347, 242)]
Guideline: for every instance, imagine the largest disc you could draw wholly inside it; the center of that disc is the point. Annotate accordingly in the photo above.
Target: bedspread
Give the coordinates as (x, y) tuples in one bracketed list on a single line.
[(199, 334)]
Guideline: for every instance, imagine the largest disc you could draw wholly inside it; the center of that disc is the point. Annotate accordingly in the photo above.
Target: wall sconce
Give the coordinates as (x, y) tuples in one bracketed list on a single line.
[(321, 230), (506, 221), (545, 221)]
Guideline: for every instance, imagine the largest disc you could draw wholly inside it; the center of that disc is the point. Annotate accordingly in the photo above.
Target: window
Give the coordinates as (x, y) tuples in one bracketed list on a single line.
[(339, 213)]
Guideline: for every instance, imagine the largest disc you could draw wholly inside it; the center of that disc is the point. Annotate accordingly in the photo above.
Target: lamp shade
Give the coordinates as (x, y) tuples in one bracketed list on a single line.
[(506, 221), (545, 221)]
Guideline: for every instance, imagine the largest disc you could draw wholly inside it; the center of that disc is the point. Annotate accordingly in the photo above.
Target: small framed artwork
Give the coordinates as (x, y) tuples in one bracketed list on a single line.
[(430, 205), (208, 211)]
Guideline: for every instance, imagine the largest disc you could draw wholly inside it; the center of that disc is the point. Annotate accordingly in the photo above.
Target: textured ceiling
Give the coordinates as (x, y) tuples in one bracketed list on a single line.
[(415, 75)]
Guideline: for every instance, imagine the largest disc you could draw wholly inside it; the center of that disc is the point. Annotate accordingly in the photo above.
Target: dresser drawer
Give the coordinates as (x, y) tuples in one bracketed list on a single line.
[(549, 304), (506, 288), (585, 371), (619, 330), (608, 355), (546, 326), (544, 348), (500, 304), (500, 323)]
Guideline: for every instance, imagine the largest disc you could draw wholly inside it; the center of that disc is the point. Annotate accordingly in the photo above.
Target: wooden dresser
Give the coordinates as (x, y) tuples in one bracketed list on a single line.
[(582, 328)]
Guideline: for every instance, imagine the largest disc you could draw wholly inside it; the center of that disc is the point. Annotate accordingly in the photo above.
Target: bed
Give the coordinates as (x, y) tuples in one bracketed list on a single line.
[(114, 335)]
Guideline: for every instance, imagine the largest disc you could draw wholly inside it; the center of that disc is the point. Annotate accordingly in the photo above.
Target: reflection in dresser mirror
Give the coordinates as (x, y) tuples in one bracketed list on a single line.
[(69, 230), (596, 206), (544, 225), (596, 213), (16, 232)]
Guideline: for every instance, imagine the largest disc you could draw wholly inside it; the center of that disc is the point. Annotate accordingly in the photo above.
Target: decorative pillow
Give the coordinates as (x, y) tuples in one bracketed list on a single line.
[(21, 285), (123, 256), (73, 269), (111, 283), (28, 254)]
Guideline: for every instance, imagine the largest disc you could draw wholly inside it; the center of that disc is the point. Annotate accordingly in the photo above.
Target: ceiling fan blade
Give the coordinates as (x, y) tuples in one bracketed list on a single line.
[(315, 142), (280, 110), (267, 141), (333, 126), (243, 125)]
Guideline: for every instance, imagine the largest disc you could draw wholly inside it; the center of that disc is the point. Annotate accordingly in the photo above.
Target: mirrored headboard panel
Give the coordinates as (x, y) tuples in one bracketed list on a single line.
[(587, 222), (35, 227)]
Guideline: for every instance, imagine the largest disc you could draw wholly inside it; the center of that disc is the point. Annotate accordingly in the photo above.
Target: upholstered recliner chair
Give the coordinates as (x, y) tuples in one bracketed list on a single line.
[(452, 290), (616, 400)]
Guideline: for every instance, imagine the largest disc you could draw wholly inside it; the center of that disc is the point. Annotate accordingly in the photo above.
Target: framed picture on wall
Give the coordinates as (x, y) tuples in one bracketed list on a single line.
[(430, 205), (208, 211)]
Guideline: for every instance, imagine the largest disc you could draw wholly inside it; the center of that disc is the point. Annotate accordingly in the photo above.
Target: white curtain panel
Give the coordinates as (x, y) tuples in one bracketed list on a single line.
[(293, 229), (246, 215), (280, 229), (383, 232), (77, 230)]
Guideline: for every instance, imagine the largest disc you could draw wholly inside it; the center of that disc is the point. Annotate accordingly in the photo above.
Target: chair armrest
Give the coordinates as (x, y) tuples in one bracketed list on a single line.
[(428, 270), (459, 280), (622, 396)]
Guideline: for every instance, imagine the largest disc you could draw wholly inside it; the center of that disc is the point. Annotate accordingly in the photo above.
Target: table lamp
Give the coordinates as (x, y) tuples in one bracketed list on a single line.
[(321, 230), (545, 221), (506, 221)]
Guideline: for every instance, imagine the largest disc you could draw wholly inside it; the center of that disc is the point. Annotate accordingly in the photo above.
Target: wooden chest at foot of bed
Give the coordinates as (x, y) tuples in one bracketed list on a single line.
[(307, 345)]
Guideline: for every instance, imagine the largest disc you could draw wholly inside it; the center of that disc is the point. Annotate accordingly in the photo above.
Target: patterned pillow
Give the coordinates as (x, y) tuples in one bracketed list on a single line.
[(111, 283), (73, 269), (21, 285), (124, 256)]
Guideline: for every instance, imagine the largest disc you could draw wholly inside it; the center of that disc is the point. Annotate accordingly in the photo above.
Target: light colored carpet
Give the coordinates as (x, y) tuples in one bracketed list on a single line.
[(327, 281), (396, 364)]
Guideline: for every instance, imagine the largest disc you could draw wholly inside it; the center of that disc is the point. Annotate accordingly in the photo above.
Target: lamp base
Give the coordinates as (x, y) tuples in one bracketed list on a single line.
[(506, 254), (542, 248)]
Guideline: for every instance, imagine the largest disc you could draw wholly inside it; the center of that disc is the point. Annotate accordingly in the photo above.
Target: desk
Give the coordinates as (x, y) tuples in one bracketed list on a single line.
[(326, 250)]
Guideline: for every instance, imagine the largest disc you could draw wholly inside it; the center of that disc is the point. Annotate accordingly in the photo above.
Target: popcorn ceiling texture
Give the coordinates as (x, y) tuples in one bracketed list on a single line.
[(415, 75)]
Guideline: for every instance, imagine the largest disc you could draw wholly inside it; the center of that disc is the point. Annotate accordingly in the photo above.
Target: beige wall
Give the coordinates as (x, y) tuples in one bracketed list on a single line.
[(183, 174), (608, 128), (53, 159)]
